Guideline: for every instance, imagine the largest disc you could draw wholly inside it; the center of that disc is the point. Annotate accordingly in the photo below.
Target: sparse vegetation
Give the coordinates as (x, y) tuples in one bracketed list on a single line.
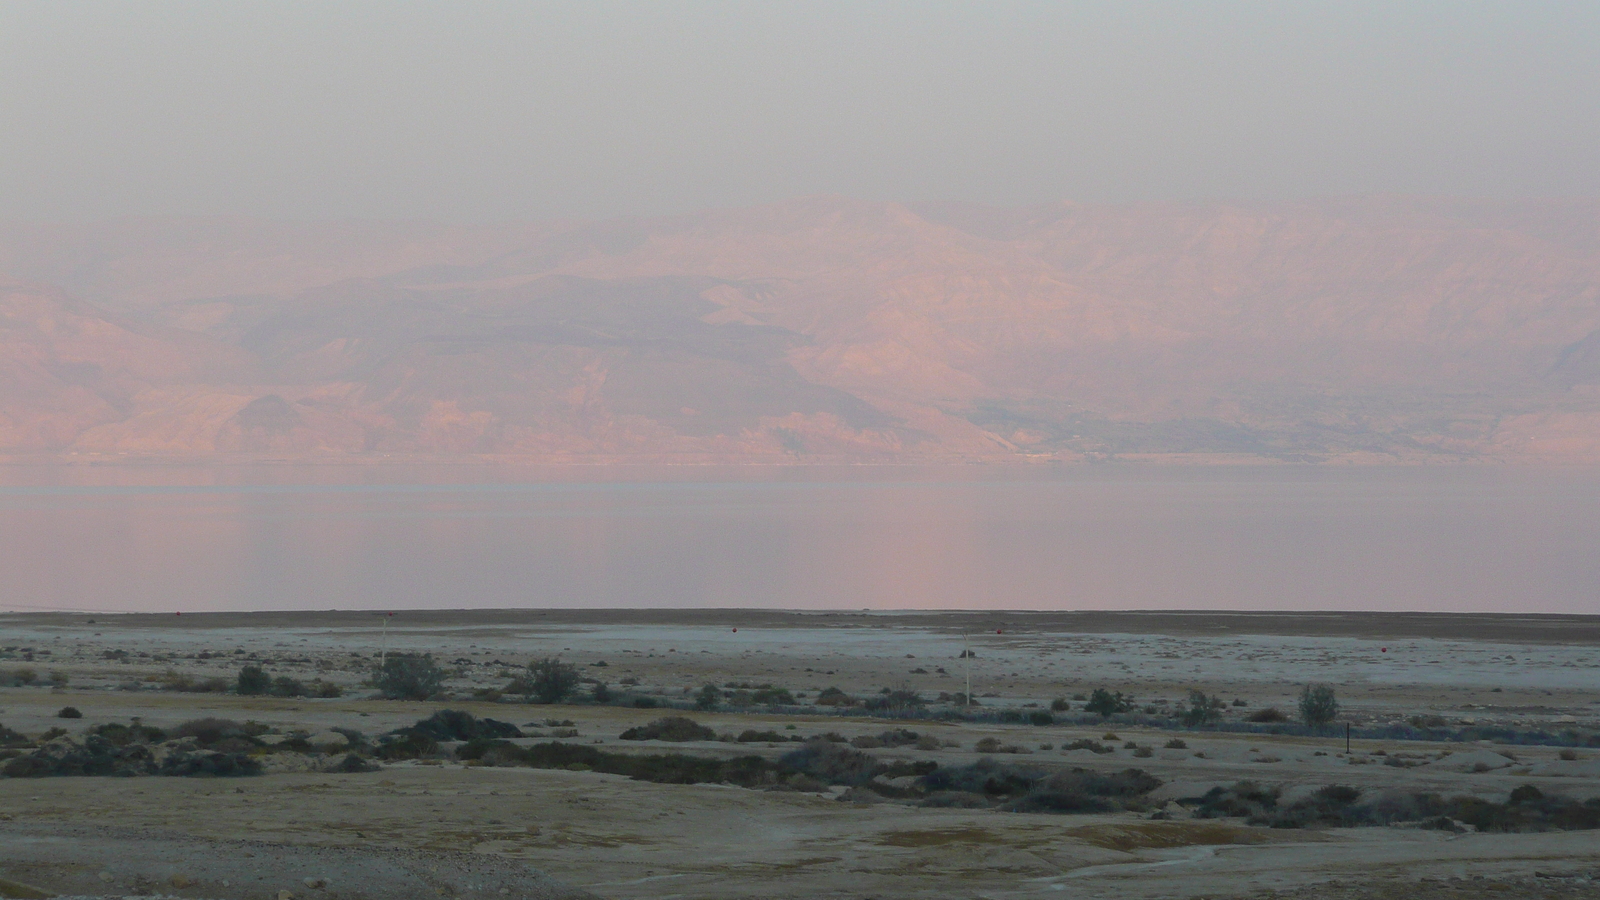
[(1202, 709), (1527, 809), (69, 712)]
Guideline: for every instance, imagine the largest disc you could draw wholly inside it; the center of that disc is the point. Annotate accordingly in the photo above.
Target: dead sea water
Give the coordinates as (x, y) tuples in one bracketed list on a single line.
[(1115, 537)]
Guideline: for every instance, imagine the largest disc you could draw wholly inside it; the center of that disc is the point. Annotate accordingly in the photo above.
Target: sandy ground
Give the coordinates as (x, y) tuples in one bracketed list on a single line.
[(617, 838)]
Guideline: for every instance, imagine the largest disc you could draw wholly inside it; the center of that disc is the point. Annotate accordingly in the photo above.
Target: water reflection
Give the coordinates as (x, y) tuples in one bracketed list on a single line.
[(342, 537)]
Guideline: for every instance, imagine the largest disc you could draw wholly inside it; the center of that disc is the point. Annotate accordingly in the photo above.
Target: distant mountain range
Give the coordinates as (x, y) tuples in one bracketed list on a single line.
[(823, 329)]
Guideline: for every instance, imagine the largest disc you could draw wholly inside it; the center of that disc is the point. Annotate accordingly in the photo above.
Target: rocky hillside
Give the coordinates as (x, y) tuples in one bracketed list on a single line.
[(822, 329)]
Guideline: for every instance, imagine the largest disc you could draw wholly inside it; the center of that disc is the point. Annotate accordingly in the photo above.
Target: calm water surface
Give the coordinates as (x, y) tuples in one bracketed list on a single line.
[(152, 539)]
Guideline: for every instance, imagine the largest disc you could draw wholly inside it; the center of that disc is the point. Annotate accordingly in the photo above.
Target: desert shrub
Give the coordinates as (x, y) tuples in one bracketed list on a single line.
[(1202, 709), (1270, 714), (896, 701), (214, 733), (324, 690), (1105, 704), (12, 738), (407, 744), (1568, 754), (550, 680), (708, 697), (284, 686), (1083, 791), (1060, 704), (353, 763), (770, 696), (928, 742), (69, 712), (1087, 744), (51, 734), (670, 728), (124, 735), (97, 755), (600, 693), (645, 702), (408, 676), (253, 680), (1244, 799), (752, 736), (865, 742), (833, 763), (994, 745), (671, 768), (1318, 705), (458, 725), (834, 697), (1143, 753), (1041, 718), (1176, 744), (18, 677)]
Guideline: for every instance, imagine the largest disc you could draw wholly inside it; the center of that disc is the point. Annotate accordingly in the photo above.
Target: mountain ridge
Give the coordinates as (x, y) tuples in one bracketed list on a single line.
[(1369, 329)]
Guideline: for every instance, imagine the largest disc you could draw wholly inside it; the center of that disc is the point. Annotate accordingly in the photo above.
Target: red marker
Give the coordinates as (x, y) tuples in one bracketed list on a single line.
[(736, 631)]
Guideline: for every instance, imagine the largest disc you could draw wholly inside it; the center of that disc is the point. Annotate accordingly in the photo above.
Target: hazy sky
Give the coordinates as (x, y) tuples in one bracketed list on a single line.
[(532, 110)]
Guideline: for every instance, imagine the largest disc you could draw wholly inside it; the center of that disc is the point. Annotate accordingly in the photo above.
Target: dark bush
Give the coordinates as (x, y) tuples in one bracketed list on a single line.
[(284, 686), (408, 744), (1105, 704), (458, 725), (1060, 704), (1041, 718), (211, 732), (833, 763), (550, 680), (354, 763), (752, 736), (1318, 705), (69, 712), (123, 735), (253, 680), (1202, 709), (671, 728), (708, 697), (769, 696), (1087, 744), (834, 697), (1270, 714), (11, 738), (408, 676)]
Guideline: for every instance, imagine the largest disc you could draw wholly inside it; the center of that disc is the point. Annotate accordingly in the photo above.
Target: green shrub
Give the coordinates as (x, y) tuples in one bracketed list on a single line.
[(1270, 714), (409, 676), (69, 712), (708, 697), (1318, 705), (1060, 704), (1202, 709), (253, 680), (1105, 704), (550, 680)]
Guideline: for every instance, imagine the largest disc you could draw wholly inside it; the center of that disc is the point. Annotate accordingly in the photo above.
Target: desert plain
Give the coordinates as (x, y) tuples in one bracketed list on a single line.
[(1457, 706)]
